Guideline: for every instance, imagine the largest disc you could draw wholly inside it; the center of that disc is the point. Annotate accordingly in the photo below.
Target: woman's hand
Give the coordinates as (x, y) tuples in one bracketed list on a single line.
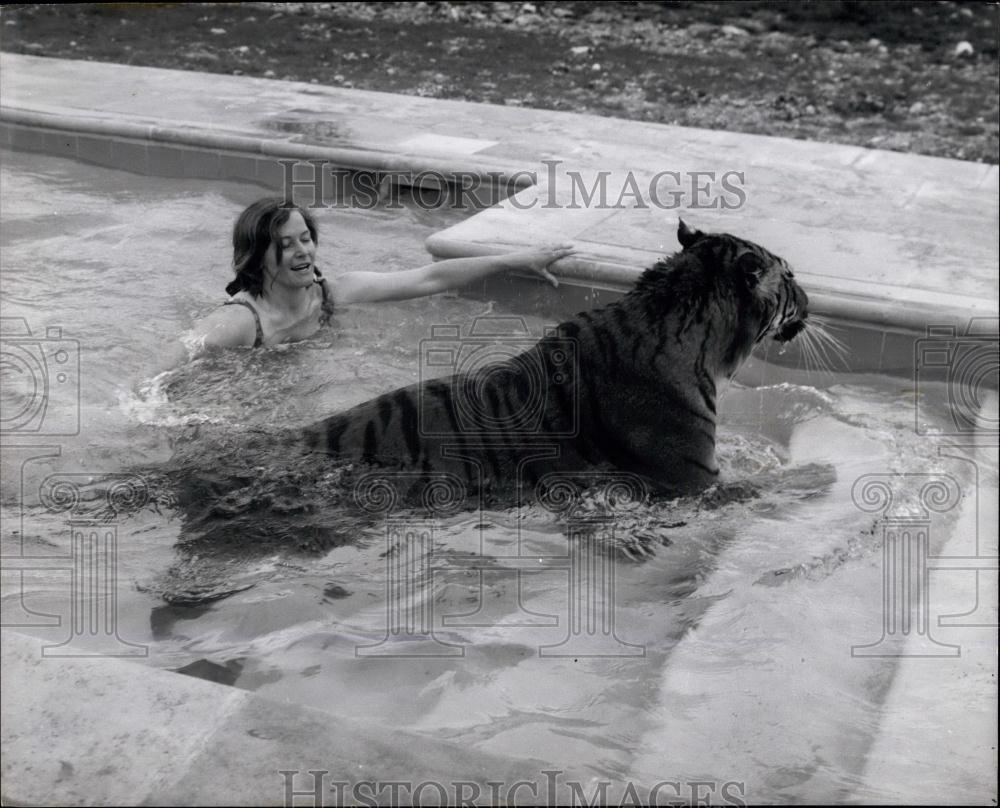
[(539, 261)]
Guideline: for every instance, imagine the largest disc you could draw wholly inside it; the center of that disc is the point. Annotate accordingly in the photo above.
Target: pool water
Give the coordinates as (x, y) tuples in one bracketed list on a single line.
[(704, 638)]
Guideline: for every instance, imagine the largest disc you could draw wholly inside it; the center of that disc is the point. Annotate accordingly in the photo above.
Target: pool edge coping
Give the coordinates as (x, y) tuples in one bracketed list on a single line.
[(249, 143), (908, 316)]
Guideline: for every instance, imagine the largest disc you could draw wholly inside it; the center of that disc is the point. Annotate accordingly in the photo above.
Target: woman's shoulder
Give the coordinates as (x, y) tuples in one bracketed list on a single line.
[(234, 324)]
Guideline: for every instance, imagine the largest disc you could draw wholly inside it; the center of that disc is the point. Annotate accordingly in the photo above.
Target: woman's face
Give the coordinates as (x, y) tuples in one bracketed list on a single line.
[(298, 252)]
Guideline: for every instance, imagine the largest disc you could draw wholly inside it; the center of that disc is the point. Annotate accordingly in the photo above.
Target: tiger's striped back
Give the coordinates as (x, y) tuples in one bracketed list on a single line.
[(630, 386)]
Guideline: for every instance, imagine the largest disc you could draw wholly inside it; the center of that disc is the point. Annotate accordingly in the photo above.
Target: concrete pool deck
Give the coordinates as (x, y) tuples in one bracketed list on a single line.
[(886, 244)]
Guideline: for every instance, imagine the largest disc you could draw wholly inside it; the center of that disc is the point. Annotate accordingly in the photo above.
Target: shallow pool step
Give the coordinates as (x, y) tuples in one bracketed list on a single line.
[(937, 740), (805, 683), (178, 740)]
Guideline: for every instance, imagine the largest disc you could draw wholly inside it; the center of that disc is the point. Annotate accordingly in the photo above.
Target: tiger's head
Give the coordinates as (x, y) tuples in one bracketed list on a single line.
[(727, 294), (763, 279)]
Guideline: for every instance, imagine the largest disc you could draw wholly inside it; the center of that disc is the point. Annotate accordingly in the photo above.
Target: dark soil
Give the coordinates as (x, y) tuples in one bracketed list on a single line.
[(909, 76)]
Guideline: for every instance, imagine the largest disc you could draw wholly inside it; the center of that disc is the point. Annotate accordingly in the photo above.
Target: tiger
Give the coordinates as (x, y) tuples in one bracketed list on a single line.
[(630, 386)]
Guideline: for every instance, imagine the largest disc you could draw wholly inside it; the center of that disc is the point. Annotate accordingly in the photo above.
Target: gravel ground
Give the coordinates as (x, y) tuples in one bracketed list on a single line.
[(909, 76)]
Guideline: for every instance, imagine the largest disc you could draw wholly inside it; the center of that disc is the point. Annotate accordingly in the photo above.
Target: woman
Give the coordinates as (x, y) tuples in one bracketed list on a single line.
[(279, 295)]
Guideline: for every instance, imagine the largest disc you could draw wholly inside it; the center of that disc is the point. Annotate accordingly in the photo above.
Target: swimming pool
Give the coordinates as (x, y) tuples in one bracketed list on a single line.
[(737, 639)]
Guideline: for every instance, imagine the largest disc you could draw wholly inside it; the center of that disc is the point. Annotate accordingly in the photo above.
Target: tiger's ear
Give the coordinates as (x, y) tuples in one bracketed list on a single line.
[(751, 267), (685, 235)]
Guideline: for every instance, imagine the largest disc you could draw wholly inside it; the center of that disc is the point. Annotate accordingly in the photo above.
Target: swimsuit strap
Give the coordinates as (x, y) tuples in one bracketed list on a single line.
[(327, 304), (256, 316)]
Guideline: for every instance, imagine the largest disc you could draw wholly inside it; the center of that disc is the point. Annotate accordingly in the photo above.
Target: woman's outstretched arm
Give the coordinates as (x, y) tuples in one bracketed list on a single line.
[(371, 287)]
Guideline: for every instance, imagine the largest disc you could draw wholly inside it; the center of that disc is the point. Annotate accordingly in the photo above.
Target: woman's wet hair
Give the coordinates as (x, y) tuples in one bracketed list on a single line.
[(254, 231)]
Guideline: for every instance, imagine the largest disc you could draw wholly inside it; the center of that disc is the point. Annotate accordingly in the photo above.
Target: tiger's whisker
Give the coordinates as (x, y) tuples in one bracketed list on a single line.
[(807, 351), (814, 354), (818, 361), (824, 328), (831, 340), (836, 352), (831, 347), (810, 360), (824, 350), (817, 350)]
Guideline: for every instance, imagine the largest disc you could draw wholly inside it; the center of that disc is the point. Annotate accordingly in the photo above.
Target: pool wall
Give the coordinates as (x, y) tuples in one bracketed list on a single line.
[(178, 152)]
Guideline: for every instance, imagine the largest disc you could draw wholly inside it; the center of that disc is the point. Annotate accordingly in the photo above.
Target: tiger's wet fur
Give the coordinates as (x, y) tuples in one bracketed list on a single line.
[(629, 387)]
